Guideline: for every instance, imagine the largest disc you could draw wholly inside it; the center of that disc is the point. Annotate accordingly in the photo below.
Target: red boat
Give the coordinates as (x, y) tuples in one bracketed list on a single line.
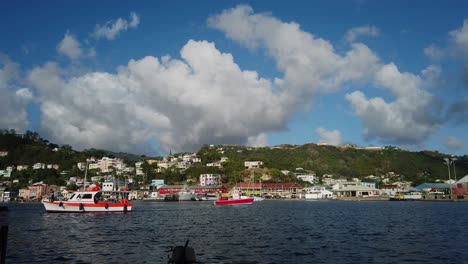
[(234, 201)]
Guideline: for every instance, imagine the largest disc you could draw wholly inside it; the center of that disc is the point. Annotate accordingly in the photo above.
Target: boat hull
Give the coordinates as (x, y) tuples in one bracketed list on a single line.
[(235, 201), (73, 207)]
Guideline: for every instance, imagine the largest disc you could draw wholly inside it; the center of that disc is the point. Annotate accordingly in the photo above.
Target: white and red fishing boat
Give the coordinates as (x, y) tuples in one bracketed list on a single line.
[(87, 202)]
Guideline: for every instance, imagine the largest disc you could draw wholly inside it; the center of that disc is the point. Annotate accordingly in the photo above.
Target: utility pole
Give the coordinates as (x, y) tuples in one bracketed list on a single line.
[(448, 161), (454, 169)]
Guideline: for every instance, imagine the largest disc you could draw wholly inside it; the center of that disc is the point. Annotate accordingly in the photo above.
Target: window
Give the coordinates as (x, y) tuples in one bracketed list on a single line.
[(87, 196)]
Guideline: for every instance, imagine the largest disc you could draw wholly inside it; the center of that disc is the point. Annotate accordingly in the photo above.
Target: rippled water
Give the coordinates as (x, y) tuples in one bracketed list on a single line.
[(265, 232)]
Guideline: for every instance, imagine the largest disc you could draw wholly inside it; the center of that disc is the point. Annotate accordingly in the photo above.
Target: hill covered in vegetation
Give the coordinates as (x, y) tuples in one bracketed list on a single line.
[(343, 162)]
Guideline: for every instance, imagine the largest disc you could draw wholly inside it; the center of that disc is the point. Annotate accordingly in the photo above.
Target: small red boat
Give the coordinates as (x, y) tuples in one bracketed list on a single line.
[(234, 201)]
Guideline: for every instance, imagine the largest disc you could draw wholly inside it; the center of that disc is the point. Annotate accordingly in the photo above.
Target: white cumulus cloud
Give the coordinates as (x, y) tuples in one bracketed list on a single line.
[(111, 29), (70, 47), (311, 65), (454, 143), (367, 30), (329, 137), (12, 100), (460, 38), (433, 52), (408, 119), (203, 98)]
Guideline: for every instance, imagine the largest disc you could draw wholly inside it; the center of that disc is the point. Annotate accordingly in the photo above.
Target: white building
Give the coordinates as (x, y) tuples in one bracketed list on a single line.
[(214, 164), (22, 167), (317, 192), (106, 164), (39, 166), (138, 168), (93, 166), (210, 179), (183, 165), (5, 173), (224, 159), (3, 153), (306, 177), (81, 165), (341, 185), (164, 164), (107, 186), (253, 164)]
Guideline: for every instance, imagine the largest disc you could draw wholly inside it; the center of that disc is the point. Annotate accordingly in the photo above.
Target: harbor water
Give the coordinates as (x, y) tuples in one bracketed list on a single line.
[(265, 232)]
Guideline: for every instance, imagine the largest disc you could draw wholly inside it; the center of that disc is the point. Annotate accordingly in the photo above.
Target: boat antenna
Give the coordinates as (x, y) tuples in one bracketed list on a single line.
[(85, 174)]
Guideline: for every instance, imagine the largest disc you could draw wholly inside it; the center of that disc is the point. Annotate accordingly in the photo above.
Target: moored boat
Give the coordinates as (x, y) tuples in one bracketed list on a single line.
[(229, 199), (245, 201), (87, 202), (406, 196), (187, 196)]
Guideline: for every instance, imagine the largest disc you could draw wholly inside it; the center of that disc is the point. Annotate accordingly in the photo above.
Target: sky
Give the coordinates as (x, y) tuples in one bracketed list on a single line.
[(151, 77)]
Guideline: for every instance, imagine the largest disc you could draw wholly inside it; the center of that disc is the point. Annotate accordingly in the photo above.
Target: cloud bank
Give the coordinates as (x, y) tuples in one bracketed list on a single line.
[(311, 65), (204, 97), (13, 99)]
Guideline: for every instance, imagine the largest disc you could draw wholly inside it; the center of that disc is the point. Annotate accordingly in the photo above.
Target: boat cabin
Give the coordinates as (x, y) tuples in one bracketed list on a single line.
[(86, 197)]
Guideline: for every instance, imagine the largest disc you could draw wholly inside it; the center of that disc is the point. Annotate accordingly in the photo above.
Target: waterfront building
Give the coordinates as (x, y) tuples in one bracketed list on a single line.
[(356, 191), (281, 189), (317, 192), (37, 192), (251, 189), (157, 182), (23, 194), (396, 187), (463, 182), (340, 185), (170, 189), (198, 189)]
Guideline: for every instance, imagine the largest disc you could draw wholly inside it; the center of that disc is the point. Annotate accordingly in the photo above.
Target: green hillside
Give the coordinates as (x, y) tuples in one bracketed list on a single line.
[(342, 162), (423, 166)]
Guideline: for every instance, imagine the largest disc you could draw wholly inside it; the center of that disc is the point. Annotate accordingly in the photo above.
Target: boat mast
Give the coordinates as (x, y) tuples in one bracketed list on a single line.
[(85, 174)]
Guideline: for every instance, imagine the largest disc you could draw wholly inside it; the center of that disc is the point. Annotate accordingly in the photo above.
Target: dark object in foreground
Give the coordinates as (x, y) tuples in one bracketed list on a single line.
[(182, 254)]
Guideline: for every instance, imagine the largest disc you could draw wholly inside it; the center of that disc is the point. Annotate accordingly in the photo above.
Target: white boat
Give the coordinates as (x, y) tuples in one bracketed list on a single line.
[(406, 196), (187, 196), (87, 202)]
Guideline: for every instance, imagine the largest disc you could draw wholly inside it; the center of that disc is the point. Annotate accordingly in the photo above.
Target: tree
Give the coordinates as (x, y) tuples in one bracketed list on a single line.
[(72, 187)]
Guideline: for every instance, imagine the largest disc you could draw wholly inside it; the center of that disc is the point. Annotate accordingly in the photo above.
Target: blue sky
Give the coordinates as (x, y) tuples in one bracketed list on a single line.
[(155, 76)]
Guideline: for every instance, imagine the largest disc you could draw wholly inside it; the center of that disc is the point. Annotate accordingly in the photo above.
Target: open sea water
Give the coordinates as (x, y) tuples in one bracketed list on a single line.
[(265, 232)]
